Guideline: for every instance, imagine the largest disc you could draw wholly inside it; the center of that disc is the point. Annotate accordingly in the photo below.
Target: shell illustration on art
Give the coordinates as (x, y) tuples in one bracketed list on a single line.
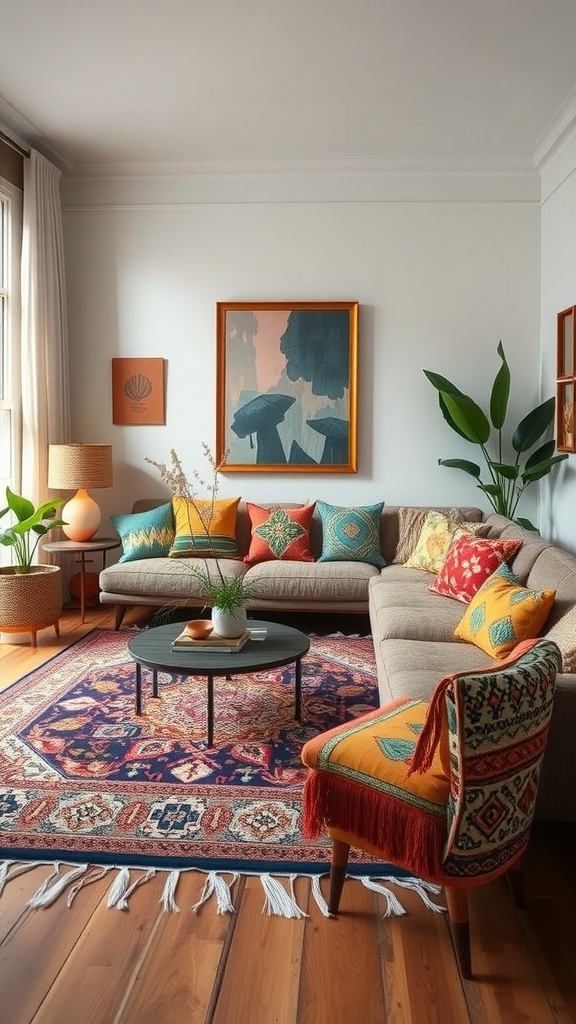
[(138, 387)]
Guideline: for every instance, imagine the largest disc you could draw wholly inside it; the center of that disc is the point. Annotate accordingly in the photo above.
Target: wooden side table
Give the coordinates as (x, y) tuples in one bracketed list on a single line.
[(83, 548)]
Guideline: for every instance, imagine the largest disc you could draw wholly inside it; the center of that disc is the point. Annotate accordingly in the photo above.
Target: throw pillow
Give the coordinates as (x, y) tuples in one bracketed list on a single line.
[(503, 614), (410, 523), (145, 534), (279, 533), (205, 529), (469, 562), (351, 534), (435, 539)]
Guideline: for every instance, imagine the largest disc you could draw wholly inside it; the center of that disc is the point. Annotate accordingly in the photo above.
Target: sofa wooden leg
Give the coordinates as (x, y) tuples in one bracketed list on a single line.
[(119, 615), (338, 865), (457, 900)]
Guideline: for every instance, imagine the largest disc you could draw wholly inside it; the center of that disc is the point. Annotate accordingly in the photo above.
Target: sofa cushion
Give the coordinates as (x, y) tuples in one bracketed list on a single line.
[(145, 534), (167, 579), (414, 667), (503, 614), (205, 529), (351, 534), (435, 539), (279, 533), (310, 582), (469, 562)]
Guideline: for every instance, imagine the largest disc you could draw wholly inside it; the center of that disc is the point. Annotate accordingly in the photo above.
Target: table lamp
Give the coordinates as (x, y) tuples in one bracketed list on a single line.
[(85, 467)]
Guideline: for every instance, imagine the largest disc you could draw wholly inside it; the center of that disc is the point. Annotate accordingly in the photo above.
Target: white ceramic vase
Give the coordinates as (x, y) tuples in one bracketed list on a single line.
[(229, 623)]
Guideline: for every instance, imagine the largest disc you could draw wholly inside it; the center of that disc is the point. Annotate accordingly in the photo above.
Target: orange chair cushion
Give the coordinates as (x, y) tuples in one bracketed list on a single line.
[(360, 785)]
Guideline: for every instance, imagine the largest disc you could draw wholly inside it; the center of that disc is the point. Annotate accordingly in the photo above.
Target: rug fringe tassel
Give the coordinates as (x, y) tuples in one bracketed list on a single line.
[(167, 898), (216, 884), (279, 899), (422, 888), (278, 902), (393, 906), (48, 893), (121, 890), (319, 897)]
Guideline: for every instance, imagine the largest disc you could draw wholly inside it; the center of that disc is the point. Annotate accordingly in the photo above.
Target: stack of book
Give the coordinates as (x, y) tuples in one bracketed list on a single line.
[(212, 642)]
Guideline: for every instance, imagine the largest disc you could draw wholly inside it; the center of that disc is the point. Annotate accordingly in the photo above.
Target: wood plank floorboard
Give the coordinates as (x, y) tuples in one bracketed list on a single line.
[(89, 964)]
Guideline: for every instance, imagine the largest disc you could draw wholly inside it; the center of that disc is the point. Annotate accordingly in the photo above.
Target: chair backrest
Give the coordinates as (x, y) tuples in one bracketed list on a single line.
[(498, 725)]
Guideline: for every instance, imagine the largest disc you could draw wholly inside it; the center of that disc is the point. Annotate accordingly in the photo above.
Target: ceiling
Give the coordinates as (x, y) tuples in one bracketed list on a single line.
[(133, 84)]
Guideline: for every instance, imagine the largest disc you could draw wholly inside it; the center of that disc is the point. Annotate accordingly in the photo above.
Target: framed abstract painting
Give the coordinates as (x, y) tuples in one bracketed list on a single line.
[(286, 396)]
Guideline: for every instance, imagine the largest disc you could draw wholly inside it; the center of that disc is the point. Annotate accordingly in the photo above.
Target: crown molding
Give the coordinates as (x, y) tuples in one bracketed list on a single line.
[(27, 134), (557, 135)]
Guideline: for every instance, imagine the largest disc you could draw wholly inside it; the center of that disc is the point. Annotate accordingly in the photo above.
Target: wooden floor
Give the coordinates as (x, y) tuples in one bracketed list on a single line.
[(91, 965)]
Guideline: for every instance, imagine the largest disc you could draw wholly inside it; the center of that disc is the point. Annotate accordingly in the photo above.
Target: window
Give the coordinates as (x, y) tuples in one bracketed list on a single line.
[(566, 380), (10, 249)]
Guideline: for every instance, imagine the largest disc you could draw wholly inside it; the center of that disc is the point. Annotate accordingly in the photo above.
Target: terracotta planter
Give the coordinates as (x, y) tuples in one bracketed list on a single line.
[(30, 601)]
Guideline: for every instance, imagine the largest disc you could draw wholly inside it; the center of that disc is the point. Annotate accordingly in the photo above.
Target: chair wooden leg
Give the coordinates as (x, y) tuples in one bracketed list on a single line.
[(338, 865), (457, 900), (516, 884)]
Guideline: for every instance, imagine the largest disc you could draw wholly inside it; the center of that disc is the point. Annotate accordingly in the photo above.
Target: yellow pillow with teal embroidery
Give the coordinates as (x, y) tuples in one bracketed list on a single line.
[(205, 529), (435, 539), (502, 614)]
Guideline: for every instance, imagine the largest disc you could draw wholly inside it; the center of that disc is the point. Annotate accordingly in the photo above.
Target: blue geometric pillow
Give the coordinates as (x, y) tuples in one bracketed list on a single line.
[(145, 534), (351, 534)]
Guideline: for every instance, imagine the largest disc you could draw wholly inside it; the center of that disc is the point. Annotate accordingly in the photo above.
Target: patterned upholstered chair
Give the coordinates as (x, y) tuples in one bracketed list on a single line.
[(445, 790)]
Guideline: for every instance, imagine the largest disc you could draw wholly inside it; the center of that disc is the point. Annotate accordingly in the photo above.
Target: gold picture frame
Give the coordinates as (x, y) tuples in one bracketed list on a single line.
[(287, 378)]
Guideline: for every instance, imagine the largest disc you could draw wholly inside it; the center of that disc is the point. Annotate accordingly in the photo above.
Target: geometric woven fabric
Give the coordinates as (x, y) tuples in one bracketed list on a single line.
[(498, 725), (503, 614), (145, 534), (351, 534), (279, 533), (205, 528)]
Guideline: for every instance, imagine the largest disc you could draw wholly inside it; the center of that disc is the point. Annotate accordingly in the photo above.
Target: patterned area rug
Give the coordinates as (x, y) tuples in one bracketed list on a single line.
[(83, 779)]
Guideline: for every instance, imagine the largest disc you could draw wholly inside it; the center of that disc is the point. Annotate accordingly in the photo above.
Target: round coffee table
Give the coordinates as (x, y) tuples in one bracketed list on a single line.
[(152, 648)]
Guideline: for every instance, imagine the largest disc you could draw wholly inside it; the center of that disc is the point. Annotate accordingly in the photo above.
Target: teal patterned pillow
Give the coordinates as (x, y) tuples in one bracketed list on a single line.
[(351, 534), (145, 534)]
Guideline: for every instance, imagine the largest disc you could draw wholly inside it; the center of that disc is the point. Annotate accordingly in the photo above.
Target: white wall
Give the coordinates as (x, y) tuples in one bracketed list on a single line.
[(440, 280), (558, 493)]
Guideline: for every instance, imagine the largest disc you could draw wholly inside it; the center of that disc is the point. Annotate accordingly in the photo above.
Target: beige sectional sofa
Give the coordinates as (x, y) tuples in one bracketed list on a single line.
[(412, 628)]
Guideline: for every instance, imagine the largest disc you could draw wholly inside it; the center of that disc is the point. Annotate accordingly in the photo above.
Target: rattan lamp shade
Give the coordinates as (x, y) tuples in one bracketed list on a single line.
[(81, 466)]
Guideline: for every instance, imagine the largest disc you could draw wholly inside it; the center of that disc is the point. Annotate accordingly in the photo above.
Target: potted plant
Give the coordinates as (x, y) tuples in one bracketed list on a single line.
[(225, 593), (507, 480), (30, 595)]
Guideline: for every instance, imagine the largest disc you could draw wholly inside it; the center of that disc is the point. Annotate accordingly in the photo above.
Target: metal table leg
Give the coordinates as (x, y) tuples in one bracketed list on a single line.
[(138, 688), (210, 710), (298, 690)]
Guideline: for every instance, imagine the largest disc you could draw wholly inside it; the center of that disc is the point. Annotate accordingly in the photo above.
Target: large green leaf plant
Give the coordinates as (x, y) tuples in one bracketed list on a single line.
[(506, 480), (31, 525)]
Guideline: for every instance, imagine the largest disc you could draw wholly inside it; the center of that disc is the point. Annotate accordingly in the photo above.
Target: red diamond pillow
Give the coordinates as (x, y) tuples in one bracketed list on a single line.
[(469, 562), (279, 533)]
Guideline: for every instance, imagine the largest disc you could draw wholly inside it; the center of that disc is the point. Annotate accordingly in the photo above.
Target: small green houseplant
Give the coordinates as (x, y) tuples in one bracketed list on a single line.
[(227, 593), (506, 480), (32, 524), (30, 595)]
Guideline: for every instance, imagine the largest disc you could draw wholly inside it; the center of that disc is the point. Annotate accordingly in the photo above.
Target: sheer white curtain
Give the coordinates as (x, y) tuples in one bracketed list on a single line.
[(44, 335)]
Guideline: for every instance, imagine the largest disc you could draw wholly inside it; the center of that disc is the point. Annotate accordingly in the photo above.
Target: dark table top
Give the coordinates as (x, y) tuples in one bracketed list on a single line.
[(283, 644)]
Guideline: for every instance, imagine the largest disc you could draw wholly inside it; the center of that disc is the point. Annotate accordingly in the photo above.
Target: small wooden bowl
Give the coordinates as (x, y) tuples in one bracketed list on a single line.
[(198, 629)]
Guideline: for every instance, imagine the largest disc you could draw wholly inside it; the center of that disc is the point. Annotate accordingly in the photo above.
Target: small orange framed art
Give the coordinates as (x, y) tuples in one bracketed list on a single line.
[(286, 380), (138, 391)]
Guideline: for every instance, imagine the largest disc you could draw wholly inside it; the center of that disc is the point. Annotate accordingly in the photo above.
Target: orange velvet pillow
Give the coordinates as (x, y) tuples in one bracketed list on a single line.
[(279, 533)]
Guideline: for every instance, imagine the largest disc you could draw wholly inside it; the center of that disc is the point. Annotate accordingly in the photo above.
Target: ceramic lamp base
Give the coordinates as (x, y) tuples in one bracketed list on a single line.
[(82, 516)]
